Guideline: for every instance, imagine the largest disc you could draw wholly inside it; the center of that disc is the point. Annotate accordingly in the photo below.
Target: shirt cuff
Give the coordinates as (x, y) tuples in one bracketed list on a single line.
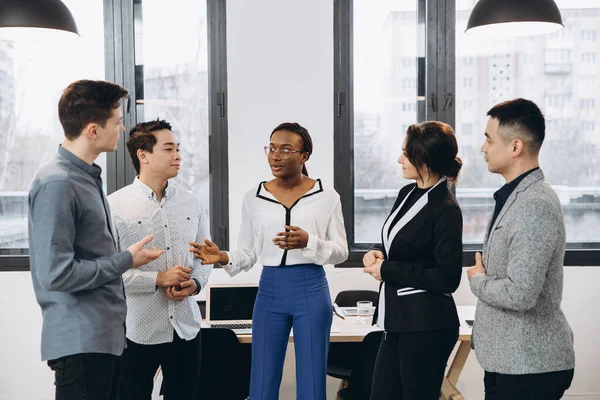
[(231, 267), (124, 261), (475, 282), (310, 251)]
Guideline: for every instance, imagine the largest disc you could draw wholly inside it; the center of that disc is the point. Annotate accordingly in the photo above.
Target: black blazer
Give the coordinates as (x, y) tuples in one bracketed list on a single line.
[(424, 264)]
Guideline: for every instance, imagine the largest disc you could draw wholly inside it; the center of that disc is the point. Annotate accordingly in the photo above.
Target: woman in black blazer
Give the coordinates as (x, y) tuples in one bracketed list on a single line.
[(419, 264)]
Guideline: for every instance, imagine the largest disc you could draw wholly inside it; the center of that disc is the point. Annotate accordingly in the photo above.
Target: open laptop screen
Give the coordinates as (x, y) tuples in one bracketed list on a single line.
[(232, 303)]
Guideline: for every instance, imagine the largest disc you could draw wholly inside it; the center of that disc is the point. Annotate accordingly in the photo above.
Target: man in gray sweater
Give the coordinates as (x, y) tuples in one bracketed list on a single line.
[(521, 336), (75, 266)]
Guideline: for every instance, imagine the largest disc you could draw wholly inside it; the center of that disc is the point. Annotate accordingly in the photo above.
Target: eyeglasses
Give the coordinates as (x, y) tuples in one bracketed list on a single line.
[(283, 153)]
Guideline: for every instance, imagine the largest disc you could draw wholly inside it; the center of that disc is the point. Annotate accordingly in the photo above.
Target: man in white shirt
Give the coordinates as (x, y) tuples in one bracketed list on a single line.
[(163, 319)]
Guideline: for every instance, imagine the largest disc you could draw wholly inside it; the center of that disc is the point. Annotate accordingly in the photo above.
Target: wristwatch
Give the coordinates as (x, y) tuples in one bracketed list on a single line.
[(198, 287)]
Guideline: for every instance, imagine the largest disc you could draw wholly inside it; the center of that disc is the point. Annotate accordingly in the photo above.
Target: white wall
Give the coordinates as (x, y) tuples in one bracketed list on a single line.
[(280, 66)]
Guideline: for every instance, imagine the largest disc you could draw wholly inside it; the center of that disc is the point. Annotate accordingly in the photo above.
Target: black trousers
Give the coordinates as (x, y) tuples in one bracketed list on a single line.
[(410, 366), (547, 386), (179, 362), (87, 376)]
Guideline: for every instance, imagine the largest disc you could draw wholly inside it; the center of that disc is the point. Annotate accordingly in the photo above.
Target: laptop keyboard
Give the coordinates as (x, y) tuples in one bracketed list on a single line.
[(232, 326)]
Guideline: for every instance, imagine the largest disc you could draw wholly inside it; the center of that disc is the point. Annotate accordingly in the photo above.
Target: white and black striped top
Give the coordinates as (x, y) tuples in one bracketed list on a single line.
[(318, 212)]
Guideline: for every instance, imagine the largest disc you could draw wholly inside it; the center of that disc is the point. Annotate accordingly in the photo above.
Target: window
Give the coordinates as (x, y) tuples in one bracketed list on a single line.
[(474, 74), (567, 142), (588, 126), (385, 101), (588, 58), (467, 129), (588, 104), (588, 35), (182, 84), (173, 80), (588, 82), (32, 78), (558, 55)]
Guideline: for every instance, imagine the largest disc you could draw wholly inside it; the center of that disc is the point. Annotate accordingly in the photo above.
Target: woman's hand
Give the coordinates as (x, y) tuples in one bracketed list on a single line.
[(296, 238), (371, 257), (375, 269), (208, 252)]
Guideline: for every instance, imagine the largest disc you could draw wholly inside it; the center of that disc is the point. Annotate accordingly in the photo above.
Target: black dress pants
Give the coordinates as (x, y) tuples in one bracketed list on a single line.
[(410, 366), (180, 364), (87, 376), (546, 386)]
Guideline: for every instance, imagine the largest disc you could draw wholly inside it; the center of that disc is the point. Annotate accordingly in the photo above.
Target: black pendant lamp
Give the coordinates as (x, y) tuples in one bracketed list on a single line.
[(510, 18), (36, 21)]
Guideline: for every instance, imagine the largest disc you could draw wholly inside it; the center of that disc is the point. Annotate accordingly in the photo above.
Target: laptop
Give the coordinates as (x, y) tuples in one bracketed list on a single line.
[(230, 306)]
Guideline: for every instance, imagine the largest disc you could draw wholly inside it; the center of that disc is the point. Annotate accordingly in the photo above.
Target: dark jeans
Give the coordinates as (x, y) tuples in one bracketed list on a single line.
[(180, 364), (547, 386), (410, 366), (87, 376)]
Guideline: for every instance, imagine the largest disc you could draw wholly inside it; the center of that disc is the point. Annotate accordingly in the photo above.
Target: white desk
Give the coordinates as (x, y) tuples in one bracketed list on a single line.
[(351, 330)]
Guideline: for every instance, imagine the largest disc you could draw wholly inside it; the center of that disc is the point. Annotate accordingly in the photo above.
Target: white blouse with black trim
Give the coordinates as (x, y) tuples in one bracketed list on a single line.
[(318, 212)]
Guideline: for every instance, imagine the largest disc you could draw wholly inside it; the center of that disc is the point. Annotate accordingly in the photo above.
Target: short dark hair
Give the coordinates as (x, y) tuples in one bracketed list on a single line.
[(84, 102), (433, 144), (142, 137), (307, 144), (524, 118)]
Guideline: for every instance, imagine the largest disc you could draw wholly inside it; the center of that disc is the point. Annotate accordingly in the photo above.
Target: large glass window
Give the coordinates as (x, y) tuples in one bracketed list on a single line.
[(399, 62), (32, 77), (385, 59), (171, 62), (559, 73)]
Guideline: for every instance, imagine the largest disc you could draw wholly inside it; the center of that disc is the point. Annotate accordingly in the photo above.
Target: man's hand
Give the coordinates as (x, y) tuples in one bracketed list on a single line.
[(142, 256), (374, 269), (209, 253), (478, 268), (186, 289), (371, 257), (296, 238), (173, 277)]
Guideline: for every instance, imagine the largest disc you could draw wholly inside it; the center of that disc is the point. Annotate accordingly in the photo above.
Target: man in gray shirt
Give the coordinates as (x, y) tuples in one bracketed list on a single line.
[(521, 336), (75, 267)]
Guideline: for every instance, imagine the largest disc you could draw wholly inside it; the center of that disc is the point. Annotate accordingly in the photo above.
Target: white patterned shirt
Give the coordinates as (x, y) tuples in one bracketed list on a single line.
[(176, 220)]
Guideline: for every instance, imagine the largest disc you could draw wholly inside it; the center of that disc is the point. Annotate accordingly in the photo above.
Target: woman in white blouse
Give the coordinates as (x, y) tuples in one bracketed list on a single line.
[(292, 225)]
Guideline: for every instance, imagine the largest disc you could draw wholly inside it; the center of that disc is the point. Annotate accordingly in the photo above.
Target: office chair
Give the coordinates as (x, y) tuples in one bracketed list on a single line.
[(361, 378), (223, 354), (342, 356)]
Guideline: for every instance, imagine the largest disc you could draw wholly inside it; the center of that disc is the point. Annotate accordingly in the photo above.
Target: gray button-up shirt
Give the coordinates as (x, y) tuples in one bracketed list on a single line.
[(75, 267)]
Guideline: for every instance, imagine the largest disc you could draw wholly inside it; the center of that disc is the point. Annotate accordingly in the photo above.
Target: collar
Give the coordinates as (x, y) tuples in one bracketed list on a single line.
[(264, 194), (93, 170), (146, 190), (502, 194)]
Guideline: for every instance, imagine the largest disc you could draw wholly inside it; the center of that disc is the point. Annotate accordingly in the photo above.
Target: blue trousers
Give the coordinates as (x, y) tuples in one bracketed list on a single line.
[(298, 296)]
